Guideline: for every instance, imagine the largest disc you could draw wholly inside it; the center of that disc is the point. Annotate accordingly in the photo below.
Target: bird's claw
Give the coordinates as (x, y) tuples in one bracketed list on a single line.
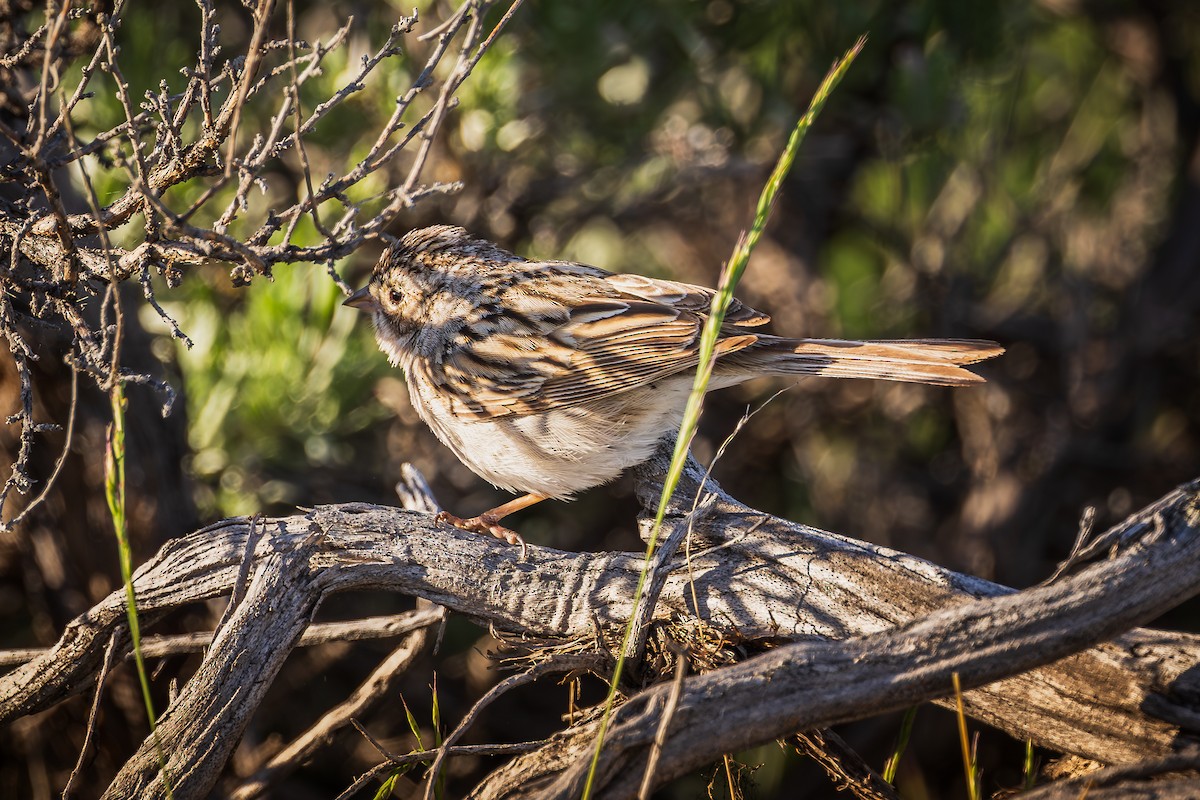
[(486, 524)]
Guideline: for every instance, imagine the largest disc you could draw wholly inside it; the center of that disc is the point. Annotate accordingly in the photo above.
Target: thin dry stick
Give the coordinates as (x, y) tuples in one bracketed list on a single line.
[(19, 55), (94, 712), (243, 577), (262, 16), (555, 664), (393, 761), (44, 178), (378, 685), (58, 464), (687, 548), (845, 767), (381, 627), (44, 92), (1076, 556), (107, 382), (365, 778), (301, 150), (462, 71), (379, 748), (660, 737), (139, 161), (414, 492), (657, 576), (19, 477), (103, 22)]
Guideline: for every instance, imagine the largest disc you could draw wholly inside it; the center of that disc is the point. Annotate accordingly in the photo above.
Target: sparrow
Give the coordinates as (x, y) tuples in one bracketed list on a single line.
[(547, 378)]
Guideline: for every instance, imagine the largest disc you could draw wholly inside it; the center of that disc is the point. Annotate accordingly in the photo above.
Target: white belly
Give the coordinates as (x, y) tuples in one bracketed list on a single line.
[(561, 452)]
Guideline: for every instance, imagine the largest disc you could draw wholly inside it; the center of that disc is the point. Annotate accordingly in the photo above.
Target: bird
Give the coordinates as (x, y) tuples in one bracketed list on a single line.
[(547, 378)]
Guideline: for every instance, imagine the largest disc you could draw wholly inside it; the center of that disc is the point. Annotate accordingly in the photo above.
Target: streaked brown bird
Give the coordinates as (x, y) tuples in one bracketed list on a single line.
[(550, 377)]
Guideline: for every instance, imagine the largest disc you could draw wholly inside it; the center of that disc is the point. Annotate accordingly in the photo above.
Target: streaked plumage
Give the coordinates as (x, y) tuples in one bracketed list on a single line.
[(550, 377)]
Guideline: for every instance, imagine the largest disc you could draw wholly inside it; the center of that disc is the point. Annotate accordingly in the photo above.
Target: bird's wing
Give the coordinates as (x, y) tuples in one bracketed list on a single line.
[(576, 337), (685, 297)]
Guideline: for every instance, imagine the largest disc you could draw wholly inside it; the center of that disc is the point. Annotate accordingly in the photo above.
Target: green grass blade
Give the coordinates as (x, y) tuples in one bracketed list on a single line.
[(114, 462), (969, 765), (114, 493), (439, 789), (436, 714), (388, 786), (413, 726), (730, 276), (893, 762)]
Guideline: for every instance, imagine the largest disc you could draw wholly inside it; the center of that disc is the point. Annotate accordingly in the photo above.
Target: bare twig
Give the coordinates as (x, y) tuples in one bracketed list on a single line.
[(105, 666), (254, 54), (659, 569), (660, 738), (845, 767), (384, 627), (555, 665), (424, 756), (414, 492), (58, 463), (239, 584), (194, 136), (377, 686)]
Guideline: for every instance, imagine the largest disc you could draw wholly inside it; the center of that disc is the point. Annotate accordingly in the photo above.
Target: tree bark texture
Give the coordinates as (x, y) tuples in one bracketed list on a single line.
[(850, 630)]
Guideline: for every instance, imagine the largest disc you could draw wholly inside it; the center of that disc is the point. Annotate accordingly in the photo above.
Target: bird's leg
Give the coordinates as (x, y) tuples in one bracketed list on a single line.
[(489, 521)]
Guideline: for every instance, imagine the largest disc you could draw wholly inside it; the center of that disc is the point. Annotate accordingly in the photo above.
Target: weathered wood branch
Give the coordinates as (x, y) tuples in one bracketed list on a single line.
[(197, 733), (842, 602), (383, 627), (817, 684), (379, 684), (1172, 778)]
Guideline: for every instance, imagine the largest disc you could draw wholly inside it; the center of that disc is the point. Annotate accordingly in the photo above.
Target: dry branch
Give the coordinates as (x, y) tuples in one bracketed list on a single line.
[(198, 731), (864, 620), (384, 627), (59, 256), (845, 768), (1172, 778), (378, 685), (817, 684)]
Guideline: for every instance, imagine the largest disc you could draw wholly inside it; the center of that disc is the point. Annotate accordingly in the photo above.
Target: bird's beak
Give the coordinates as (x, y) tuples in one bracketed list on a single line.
[(361, 300)]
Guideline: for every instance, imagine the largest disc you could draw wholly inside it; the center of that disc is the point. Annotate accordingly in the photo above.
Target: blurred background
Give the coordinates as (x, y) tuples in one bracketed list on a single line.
[(1023, 172)]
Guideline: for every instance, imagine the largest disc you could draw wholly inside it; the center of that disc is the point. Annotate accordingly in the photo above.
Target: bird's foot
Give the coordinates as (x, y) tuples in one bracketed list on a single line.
[(488, 524)]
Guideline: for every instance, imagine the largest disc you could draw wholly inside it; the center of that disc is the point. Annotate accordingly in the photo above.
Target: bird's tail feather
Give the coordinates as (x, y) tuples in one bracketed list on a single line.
[(934, 361)]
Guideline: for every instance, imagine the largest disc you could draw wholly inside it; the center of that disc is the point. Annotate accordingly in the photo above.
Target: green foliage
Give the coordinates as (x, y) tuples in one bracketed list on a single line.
[(617, 99), (995, 113), (277, 383)]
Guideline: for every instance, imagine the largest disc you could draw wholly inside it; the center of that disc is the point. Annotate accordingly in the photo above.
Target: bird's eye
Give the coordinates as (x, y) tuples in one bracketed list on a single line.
[(395, 296)]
